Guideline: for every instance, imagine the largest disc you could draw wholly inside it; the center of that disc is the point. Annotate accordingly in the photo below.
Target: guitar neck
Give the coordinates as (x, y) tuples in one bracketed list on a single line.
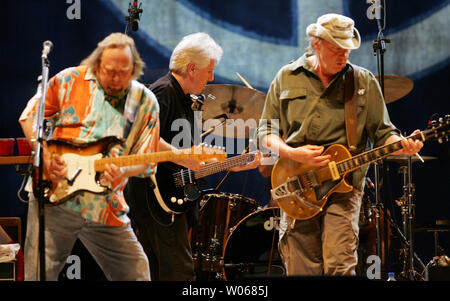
[(373, 155), (130, 160), (216, 167)]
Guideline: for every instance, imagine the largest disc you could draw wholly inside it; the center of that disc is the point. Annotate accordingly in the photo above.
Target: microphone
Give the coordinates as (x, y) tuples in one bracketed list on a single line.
[(134, 17), (47, 47), (197, 101)]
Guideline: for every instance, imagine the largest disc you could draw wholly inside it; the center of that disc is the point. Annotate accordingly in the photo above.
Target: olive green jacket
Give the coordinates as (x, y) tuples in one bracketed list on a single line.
[(300, 110)]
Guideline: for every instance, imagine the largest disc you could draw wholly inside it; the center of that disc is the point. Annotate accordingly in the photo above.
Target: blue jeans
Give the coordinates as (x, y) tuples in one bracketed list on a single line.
[(115, 249)]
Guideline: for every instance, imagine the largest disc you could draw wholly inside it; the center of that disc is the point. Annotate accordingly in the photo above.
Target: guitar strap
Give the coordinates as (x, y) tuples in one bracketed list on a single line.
[(131, 109), (351, 99)]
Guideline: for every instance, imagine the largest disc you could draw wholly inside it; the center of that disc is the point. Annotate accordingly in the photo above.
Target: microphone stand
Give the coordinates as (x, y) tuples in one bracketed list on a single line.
[(39, 164), (378, 209), (379, 48)]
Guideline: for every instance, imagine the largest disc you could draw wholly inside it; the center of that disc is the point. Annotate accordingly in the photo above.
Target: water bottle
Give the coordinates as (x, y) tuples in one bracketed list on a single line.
[(391, 277)]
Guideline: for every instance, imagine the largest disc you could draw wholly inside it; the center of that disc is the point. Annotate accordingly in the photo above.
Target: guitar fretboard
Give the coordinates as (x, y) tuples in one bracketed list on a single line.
[(130, 160), (367, 157), (373, 155), (217, 167)]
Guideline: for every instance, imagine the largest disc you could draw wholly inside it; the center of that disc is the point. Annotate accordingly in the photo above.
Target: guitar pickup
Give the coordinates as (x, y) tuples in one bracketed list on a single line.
[(294, 184), (183, 177), (310, 179), (334, 171)]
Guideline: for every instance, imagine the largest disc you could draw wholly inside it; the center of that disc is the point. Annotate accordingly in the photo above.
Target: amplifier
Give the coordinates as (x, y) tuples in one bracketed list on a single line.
[(8, 271)]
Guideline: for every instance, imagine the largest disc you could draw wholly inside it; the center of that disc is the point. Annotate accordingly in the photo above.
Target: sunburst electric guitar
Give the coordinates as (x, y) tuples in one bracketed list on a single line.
[(86, 162), (302, 191)]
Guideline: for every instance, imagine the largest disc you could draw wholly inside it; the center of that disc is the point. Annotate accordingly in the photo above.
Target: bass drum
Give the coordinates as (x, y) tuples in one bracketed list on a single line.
[(219, 214), (251, 249)]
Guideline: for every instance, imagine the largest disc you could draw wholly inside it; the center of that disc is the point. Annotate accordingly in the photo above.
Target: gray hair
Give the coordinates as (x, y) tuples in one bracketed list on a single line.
[(199, 48), (310, 47), (115, 40)]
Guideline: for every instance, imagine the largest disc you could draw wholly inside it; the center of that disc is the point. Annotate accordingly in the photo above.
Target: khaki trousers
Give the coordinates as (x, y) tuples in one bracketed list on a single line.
[(326, 244)]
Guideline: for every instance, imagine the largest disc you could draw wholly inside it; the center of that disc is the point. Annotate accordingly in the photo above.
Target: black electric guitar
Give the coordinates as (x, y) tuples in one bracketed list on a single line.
[(86, 162), (183, 192), (302, 191)]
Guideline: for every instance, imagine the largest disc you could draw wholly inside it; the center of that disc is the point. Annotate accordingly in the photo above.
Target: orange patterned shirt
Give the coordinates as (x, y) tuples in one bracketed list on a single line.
[(81, 112)]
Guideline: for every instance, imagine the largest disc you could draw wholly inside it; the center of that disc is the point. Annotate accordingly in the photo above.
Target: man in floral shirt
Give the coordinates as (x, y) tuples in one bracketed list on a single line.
[(97, 99)]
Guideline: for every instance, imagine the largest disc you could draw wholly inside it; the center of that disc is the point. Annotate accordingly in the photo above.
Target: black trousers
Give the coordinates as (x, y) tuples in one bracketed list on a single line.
[(166, 243)]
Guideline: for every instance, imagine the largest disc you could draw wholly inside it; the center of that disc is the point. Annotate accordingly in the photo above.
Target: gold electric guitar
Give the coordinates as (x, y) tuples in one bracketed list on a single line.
[(302, 191), (85, 162)]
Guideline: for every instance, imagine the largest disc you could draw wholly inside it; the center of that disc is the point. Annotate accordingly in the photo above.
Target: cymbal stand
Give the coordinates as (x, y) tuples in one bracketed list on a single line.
[(407, 205)]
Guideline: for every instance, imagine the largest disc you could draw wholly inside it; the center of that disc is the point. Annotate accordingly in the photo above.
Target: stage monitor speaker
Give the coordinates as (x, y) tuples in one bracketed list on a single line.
[(8, 271)]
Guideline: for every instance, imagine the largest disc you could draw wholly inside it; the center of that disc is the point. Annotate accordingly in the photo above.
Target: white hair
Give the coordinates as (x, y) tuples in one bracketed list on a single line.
[(199, 48)]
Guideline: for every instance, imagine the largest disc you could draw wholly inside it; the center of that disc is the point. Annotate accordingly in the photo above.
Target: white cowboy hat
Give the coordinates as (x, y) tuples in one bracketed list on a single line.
[(336, 29)]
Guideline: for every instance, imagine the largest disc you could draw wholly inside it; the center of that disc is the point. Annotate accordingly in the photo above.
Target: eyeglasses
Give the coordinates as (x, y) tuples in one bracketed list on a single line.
[(111, 72)]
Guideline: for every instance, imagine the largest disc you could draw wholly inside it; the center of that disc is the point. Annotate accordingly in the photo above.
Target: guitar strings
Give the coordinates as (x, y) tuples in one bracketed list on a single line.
[(217, 165)]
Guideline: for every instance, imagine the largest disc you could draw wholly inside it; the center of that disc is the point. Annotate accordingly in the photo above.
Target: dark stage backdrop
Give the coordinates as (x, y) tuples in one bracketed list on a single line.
[(258, 37)]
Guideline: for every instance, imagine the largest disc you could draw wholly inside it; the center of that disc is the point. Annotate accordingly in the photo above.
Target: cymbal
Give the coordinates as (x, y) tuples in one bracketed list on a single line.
[(403, 159), (396, 87), (242, 106)]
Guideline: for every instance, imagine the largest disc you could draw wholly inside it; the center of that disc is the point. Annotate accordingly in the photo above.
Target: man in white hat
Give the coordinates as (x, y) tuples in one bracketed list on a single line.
[(307, 99)]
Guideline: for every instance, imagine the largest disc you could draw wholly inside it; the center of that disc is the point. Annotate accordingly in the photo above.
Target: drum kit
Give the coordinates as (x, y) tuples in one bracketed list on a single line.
[(235, 238)]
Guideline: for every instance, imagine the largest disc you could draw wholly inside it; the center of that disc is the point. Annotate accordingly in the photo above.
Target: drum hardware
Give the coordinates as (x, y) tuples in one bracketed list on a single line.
[(410, 258), (439, 258), (405, 202)]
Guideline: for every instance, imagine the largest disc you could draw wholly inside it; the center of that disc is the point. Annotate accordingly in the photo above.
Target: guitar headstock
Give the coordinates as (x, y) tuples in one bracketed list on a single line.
[(204, 152), (438, 129)]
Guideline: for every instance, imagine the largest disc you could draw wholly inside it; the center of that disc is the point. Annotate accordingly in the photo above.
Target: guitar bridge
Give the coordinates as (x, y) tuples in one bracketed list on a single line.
[(74, 176)]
